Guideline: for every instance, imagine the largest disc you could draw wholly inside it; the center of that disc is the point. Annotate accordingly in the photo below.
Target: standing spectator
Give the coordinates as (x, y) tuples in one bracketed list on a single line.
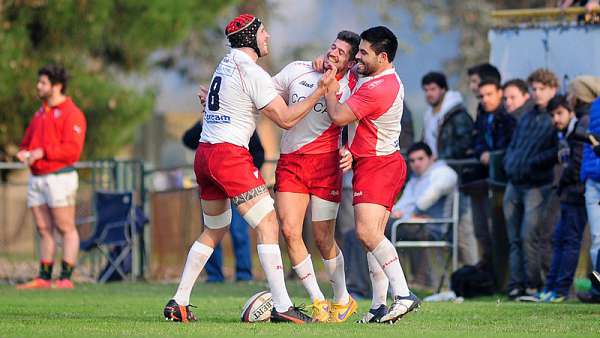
[(52, 144), (479, 72), (448, 129), (493, 131), (516, 98), (529, 165), (590, 174), (239, 227), (425, 196), (569, 230)]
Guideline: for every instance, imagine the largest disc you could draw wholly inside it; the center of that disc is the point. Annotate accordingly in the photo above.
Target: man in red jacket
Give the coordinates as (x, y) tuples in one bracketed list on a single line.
[(52, 144)]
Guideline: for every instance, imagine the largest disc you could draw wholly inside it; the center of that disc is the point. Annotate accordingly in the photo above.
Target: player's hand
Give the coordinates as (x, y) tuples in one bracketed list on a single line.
[(36, 154), (397, 214), (23, 156), (318, 63), (202, 95), (326, 80), (345, 159)]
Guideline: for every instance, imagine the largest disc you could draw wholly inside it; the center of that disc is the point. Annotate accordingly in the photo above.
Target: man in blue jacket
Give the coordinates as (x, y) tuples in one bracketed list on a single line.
[(590, 174), (529, 165)]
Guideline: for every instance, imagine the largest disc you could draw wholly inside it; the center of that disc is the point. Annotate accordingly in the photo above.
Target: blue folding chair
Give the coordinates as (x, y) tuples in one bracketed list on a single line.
[(115, 221)]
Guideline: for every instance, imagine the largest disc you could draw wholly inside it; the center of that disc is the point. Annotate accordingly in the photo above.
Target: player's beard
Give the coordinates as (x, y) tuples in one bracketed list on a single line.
[(364, 69)]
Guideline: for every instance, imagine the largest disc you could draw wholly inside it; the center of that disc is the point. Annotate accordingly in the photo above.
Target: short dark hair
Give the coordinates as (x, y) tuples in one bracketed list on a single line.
[(382, 39), (56, 74), (485, 70), (489, 81), (520, 84), (420, 146), (559, 101), (435, 77), (352, 39)]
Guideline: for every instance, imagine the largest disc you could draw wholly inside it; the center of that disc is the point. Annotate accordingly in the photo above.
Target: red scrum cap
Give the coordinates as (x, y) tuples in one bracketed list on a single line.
[(242, 30)]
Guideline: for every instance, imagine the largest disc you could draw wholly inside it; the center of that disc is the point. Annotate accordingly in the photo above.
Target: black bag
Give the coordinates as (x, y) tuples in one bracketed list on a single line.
[(471, 281)]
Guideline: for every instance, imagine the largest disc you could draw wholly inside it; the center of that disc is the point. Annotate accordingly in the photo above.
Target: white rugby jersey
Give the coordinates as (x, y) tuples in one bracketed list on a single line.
[(238, 89), (315, 133), (377, 103)]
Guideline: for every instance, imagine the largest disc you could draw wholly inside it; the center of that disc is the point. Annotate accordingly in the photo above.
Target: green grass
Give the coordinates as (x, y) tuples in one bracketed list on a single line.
[(136, 310)]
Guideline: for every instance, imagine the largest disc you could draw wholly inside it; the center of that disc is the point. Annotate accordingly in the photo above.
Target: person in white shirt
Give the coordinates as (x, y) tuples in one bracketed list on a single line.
[(427, 195)]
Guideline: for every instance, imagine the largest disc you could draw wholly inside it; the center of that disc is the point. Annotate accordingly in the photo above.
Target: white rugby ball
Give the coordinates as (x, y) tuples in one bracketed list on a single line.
[(258, 308)]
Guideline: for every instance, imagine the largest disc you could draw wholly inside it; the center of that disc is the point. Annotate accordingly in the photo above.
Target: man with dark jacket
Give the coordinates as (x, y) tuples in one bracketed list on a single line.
[(516, 98), (239, 227), (447, 130), (492, 134), (569, 230), (529, 165)]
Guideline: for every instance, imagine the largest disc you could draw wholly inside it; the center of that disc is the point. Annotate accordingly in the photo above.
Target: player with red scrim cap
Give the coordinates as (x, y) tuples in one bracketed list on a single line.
[(224, 169)]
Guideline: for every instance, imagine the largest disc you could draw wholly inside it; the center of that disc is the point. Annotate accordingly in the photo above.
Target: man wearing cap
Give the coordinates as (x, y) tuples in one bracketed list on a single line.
[(224, 169)]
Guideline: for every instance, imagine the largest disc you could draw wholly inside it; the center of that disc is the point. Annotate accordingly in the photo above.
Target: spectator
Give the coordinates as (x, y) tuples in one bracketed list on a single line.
[(424, 196), (569, 230), (53, 142), (516, 98), (583, 90), (529, 164), (480, 72), (448, 128), (238, 227), (590, 174), (493, 131)]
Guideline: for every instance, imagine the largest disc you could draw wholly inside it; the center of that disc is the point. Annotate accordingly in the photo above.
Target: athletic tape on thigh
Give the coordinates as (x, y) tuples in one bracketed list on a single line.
[(323, 210), (258, 211), (219, 221)]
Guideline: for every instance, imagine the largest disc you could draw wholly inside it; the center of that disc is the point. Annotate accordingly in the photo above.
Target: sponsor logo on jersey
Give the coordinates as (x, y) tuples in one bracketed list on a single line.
[(57, 113), (358, 193), (375, 83), (334, 192), (306, 84), (215, 119)]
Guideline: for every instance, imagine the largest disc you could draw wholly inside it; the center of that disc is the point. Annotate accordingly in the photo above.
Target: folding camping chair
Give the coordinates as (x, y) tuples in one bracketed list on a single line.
[(114, 225), (450, 240)]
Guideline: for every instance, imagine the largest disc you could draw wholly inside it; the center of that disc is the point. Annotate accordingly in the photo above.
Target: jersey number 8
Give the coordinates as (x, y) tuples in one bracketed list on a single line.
[(213, 94)]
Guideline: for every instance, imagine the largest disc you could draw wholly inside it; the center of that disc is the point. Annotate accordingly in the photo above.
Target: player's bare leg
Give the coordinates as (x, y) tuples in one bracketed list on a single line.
[(256, 206), (370, 226), (291, 208), (217, 218), (45, 228), (64, 221)]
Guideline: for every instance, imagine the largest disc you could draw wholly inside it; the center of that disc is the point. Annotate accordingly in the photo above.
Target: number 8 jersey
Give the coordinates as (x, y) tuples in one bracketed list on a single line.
[(238, 90)]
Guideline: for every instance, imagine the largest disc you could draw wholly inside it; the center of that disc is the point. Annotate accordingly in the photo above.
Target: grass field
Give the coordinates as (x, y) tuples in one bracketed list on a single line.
[(136, 310)]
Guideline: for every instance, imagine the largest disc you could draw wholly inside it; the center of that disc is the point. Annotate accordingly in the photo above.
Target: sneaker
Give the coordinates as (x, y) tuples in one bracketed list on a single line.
[(556, 298), (400, 307), (514, 293), (545, 295), (320, 311), (595, 278), (63, 284), (587, 297), (339, 313), (36, 283), (178, 313), (294, 315), (374, 315)]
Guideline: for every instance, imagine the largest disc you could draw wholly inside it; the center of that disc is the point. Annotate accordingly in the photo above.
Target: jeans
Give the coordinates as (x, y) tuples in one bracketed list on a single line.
[(241, 251), (500, 251), (592, 198), (480, 210), (566, 243), (524, 211), (467, 245)]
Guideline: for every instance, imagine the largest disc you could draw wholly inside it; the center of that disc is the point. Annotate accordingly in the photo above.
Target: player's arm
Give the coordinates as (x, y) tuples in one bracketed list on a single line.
[(287, 116), (339, 113)]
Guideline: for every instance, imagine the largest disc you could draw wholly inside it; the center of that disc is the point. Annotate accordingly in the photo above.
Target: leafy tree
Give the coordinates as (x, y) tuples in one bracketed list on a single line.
[(98, 42)]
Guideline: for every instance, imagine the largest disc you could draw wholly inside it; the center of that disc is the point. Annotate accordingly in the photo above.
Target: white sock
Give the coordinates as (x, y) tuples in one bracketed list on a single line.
[(306, 273), (196, 259), (379, 281), (386, 255), (335, 270), (270, 259)]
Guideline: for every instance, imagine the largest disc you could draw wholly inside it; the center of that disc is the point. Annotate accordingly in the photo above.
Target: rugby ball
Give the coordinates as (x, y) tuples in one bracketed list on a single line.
[(258, 308)]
